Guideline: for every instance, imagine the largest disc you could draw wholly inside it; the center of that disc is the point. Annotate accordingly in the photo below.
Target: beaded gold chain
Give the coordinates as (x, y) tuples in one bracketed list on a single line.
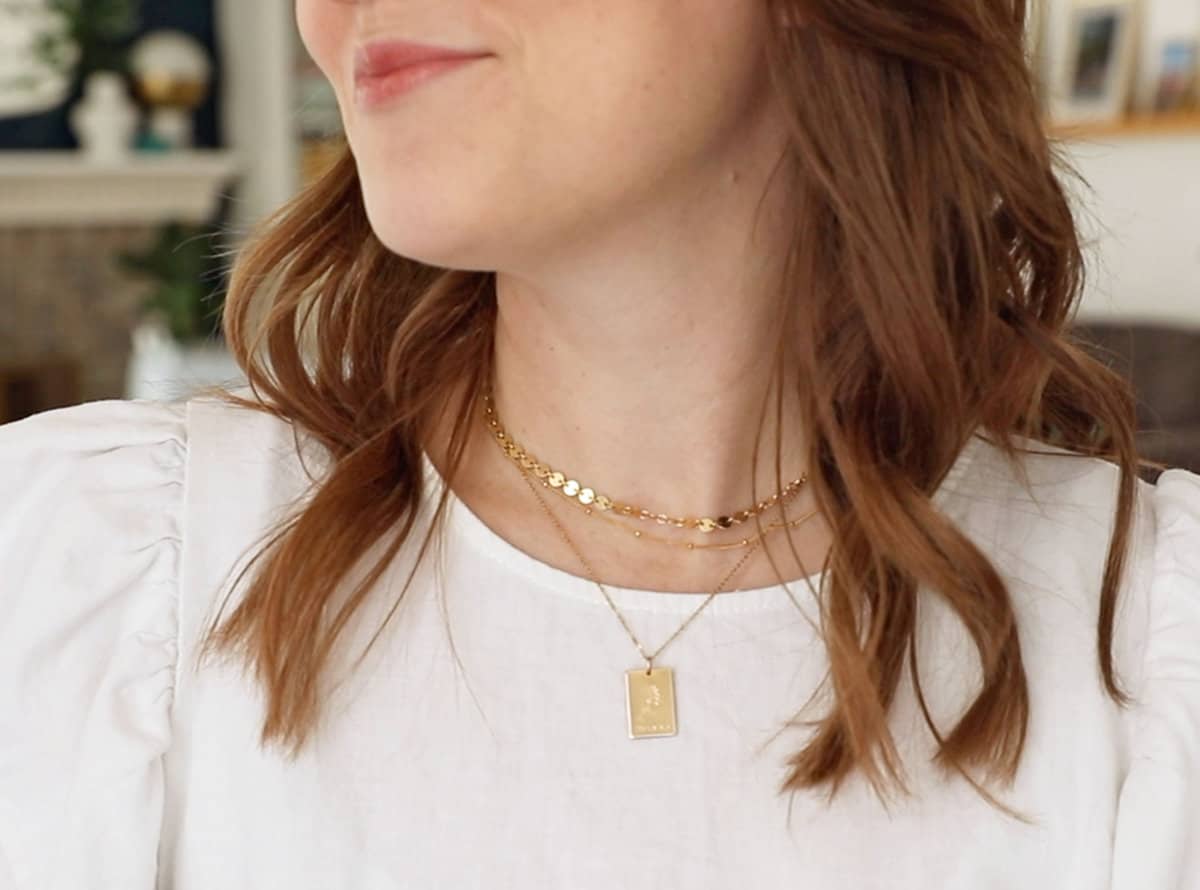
[(588, 497), (688, 545)]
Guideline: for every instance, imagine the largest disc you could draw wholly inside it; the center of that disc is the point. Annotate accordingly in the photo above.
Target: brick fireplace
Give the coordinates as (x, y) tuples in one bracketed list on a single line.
[(67, 311), (66, 308)]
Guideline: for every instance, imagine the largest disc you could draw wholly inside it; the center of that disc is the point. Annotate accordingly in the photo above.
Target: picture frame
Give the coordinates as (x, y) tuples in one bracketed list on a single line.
[(1095, 62), (1175, 83)]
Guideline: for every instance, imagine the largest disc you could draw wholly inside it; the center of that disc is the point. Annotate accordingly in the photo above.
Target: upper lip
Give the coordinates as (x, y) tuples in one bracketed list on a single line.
[(380, 57)]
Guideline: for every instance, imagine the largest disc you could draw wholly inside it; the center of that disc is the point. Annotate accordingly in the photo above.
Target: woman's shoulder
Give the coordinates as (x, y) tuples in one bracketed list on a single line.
[(101, 443), (1158, 831), (91, 526), (1049, 496), (103, 472), (119, 431), (1047, 519), (90, 541), (1177, 519), (109, 489), (111, 513), (67, 435)]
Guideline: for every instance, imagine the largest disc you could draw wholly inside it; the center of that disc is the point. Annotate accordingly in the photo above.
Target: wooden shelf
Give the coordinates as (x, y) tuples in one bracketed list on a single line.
[(64, 187), (1137, 126)]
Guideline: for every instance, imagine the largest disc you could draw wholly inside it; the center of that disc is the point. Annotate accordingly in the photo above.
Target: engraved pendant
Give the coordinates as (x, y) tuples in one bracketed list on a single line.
[(650, 700)]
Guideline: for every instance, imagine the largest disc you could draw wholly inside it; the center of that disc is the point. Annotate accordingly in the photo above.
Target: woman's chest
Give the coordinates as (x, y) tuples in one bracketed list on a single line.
[(511, 766)]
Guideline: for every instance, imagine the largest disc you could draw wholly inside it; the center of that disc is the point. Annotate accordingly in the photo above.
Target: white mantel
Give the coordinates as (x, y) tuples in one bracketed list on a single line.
[(64, 187)]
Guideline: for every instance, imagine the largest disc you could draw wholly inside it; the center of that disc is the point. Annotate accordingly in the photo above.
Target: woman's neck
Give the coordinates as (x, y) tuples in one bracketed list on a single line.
[(648, 402)]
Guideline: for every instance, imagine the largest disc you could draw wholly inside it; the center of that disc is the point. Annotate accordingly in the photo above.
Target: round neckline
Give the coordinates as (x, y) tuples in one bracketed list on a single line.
[(483, 540)]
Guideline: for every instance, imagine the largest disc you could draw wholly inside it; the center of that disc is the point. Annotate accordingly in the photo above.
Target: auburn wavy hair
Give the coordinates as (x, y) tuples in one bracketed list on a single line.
[(931, 213)]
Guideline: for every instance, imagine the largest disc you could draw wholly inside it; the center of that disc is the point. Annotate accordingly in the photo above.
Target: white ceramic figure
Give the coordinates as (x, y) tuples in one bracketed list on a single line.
[(106, 118)]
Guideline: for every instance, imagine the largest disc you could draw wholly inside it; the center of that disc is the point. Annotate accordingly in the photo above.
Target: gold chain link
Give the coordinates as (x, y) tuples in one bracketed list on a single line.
[(690, 545)]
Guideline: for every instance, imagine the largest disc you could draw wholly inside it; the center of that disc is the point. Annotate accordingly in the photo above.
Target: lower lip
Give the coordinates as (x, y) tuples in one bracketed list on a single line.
[(373, 91)]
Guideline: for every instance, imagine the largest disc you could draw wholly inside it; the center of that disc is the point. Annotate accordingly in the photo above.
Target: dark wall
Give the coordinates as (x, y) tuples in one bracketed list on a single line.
[(196, 17)]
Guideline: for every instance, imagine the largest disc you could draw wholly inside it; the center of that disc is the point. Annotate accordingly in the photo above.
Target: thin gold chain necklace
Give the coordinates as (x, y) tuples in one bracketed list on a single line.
[(649, 692), (690, 545)]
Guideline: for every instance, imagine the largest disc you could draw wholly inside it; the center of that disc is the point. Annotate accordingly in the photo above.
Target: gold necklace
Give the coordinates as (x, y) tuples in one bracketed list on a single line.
[(689, 545), (649, 692), (574, 490)]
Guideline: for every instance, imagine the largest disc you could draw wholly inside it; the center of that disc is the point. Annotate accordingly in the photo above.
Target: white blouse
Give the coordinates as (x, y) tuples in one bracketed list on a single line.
[(123, 766)]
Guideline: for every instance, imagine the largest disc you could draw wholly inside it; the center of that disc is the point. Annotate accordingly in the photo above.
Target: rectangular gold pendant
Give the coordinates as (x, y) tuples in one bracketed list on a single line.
[(650, 700)]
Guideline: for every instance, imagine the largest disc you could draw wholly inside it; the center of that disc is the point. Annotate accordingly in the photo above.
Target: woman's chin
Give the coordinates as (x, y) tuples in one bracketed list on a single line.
[(429, 239)]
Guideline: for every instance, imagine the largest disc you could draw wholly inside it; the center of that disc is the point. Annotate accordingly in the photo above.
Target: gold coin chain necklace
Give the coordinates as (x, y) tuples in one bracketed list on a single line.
[(649, 691), (587, 498)]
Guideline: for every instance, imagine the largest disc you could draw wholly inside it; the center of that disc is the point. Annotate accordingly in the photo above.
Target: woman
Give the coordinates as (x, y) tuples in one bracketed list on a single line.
[(665, 466)]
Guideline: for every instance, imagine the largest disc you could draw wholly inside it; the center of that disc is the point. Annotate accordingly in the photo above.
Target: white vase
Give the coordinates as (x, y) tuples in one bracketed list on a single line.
[(162, 368), (172, 126), (173, 72), (105, 119)]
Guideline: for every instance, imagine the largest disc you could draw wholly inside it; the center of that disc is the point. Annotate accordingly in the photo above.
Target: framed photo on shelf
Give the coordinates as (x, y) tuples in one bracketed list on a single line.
[(1095, 63), (1176, 75)]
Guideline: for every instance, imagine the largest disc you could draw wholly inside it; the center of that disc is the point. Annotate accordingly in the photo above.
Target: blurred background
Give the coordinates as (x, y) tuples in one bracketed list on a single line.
[(140, 139)]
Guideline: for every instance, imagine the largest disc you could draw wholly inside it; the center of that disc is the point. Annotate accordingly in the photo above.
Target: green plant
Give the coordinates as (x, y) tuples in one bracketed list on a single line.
[(91, 35), (186, 265)]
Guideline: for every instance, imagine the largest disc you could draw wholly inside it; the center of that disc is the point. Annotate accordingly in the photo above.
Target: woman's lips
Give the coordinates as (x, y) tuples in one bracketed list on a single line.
[(372, 90), (386, 69)]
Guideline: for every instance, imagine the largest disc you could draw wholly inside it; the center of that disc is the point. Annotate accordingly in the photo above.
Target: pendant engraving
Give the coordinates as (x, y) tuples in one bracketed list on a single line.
[(650, 700)]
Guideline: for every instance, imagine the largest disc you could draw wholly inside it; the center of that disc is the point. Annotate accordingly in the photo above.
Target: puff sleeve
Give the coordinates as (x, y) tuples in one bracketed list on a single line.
[(90, 544), (1157, 844)]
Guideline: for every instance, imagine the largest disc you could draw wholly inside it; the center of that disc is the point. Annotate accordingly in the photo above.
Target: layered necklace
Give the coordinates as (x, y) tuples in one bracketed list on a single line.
[(650, 691)]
